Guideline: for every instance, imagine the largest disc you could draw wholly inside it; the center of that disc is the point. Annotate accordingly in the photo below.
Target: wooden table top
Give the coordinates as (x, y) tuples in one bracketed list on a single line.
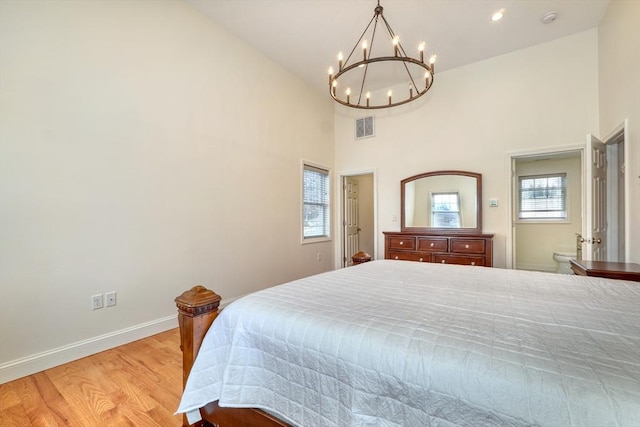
[(614, 270)]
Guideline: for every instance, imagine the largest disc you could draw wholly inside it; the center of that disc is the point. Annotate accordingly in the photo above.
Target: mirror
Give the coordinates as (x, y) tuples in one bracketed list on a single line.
[(442, 202)]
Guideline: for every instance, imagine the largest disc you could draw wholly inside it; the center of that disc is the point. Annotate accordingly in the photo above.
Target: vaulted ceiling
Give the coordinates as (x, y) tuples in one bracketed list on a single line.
[(306, 35)]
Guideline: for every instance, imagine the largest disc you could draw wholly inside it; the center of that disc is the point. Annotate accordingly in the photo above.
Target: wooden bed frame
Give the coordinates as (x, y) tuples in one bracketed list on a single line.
[(197, 309)]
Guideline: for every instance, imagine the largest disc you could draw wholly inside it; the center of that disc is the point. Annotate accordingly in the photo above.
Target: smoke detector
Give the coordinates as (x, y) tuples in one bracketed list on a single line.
[(549, 17)]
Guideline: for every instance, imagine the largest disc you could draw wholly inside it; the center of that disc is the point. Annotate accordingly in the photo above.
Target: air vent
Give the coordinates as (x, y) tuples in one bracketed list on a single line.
[(364, 127)]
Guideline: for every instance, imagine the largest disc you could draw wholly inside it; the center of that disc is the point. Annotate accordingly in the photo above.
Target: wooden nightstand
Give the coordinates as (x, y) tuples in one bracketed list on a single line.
[(360, 257), (611, 270)]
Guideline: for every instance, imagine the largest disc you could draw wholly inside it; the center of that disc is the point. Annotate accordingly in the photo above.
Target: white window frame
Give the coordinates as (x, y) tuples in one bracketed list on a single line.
[(306, 165), (435, 212), (565, 200)]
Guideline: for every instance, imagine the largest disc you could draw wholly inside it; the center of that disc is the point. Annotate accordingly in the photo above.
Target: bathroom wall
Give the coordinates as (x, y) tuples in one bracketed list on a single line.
[(536, 241)]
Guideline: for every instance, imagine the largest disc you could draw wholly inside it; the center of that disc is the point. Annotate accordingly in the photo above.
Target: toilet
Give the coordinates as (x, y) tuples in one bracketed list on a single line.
[(563, 258)]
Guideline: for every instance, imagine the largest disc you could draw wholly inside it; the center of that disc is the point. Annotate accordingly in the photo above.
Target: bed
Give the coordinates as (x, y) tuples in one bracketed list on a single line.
[(396, 343)]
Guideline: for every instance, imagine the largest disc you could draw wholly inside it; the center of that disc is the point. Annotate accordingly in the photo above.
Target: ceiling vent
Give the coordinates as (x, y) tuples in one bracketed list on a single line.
[(364, 127)]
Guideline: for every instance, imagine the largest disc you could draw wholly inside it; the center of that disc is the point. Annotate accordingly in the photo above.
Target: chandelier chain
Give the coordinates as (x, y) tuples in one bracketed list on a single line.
[(359, 40)]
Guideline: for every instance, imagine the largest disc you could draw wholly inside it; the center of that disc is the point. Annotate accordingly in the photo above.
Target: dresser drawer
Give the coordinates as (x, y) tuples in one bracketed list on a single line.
[(433, 244), (459, 259), (468, 246), (410, 256), (400, 242), (461, 248)]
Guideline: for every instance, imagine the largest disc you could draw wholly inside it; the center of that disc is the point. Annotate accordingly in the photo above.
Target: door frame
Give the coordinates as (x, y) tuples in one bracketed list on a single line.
[(512, 198), (620, 134), (339, 248)]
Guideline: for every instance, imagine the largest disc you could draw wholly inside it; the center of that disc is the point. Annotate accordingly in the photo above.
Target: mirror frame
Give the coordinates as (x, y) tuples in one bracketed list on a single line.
[(435, 230)]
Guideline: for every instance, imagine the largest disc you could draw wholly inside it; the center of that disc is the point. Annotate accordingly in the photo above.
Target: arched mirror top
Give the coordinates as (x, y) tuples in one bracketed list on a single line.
[(444, 202)]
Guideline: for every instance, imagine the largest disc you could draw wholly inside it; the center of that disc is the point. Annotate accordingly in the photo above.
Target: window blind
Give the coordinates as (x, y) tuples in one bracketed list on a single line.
[(445, 210), (543, 197), (315, 202)]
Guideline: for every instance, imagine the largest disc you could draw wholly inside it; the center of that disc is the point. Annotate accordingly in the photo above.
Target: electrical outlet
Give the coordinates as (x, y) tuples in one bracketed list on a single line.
[(111, 298), (96, 302)]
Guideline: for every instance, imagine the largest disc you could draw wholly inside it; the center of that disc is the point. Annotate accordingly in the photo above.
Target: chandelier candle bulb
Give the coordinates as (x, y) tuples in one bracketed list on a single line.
[(340, 61), (364, 49), (421, 50), (348, 95), (368, 97), (330, 74), (395, 45), (389, 95)]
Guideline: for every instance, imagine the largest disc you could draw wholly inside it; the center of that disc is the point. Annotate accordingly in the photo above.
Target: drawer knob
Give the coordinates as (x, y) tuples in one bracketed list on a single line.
[(396, 257), (444, 261), (433, 244), (420, 259), (473, 263), (401, 243), (466, 246)]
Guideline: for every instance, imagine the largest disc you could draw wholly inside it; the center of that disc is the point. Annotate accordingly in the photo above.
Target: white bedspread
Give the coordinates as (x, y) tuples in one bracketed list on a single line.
[(394, 343)]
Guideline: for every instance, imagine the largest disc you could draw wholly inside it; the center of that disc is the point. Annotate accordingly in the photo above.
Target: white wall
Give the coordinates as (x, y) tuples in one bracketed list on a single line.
[(540, 97), (619, 84), (142, 151)]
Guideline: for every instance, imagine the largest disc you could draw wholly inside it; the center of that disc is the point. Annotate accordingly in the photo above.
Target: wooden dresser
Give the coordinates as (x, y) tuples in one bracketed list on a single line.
[(466, 249)]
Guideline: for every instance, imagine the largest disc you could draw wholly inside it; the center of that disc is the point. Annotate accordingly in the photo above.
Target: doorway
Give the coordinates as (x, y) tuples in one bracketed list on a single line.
[(546, 209), (357, 216), (608, 207)]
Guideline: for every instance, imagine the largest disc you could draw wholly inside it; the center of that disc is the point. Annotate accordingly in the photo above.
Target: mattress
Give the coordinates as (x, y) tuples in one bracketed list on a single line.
[(395, 343)]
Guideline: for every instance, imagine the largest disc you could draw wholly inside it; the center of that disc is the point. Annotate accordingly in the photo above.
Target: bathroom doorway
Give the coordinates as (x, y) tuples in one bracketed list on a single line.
[(543, 243), (546, 209), (357, 216)]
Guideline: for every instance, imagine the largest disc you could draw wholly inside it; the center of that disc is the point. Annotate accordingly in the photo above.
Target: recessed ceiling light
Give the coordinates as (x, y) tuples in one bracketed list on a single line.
[(498, 15)]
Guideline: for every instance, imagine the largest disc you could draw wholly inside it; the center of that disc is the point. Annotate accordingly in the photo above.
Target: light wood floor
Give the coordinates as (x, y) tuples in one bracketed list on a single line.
[(138, 384)]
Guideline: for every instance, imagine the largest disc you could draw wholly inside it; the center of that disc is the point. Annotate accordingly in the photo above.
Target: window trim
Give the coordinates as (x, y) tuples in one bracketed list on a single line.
[(434, 212), (304, 165), (565, 220)]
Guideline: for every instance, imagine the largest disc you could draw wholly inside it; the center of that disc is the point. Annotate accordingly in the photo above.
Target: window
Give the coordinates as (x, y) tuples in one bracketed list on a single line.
[(445, 210), (543, 197), (315, 202)]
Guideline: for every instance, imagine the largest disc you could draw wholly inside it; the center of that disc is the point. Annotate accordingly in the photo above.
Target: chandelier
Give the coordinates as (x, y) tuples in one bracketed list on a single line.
[(394, 70)]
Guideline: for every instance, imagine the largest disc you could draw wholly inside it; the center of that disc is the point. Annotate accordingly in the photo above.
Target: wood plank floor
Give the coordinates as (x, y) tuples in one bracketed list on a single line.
[(137, 384)]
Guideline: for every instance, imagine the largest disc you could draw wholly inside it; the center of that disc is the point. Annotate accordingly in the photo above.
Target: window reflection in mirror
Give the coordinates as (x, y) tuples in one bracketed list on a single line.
[(442, 200), (445, 210)]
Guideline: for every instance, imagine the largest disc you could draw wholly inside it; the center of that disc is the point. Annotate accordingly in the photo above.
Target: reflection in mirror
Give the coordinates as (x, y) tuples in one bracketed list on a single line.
[(443, 200)]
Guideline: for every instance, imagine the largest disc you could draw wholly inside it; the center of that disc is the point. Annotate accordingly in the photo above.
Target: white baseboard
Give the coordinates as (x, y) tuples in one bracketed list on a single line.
[(29, 365)]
